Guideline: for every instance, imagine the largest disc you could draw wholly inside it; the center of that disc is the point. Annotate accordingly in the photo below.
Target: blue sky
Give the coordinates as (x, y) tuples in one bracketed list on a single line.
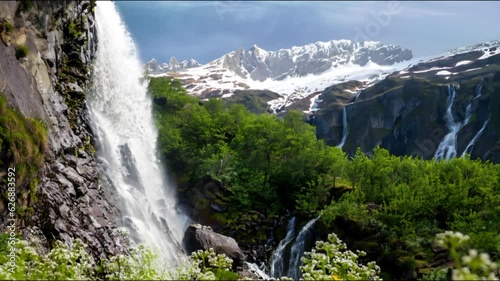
[(207, 30)]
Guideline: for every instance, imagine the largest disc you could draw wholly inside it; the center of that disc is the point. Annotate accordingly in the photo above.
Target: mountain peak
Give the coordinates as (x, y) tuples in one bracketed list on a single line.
[(173, 65)]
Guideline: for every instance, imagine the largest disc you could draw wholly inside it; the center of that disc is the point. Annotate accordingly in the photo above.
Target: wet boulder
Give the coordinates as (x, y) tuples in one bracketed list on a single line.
[(198, 237)]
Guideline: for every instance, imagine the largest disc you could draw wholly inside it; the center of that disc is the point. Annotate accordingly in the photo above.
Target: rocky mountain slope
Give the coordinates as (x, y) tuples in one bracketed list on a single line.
[(413, 111), (293, 73), (153, 67), (44, 53)]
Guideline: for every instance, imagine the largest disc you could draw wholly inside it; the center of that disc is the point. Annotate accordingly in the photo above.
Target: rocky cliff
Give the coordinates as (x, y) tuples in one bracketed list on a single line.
[(406, 112), (44, 56)]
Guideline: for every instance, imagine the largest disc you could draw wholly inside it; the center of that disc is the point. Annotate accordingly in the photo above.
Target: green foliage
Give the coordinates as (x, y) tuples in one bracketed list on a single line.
[(25, 5), (74, 29), (141, 264), (60, 263), (24, 142), (435, 275), (21, 51), (6, 27), (74, 263), (268, 163), (331, 260), (405, 202), (272, 163)]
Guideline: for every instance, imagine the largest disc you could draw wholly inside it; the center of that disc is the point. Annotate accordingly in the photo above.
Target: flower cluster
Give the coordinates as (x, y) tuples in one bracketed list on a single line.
[(450, 239), (330, 260), (142, 263), (60, 263), (209, 259), (474, 265)]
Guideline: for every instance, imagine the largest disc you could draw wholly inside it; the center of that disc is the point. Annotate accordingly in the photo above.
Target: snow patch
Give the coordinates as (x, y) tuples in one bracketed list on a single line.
[(444, 72), (464, 62)]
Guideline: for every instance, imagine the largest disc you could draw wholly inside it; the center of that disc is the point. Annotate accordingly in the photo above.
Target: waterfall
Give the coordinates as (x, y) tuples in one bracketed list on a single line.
[(475, 138), (298, 249), (447, 149), (468, 110), (277, 259), (468, 114), (257, 270), (344, 128), (121, 112)]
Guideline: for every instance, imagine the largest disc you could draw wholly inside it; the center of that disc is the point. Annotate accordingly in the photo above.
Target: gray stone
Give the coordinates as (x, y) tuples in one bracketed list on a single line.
[(198, 237)]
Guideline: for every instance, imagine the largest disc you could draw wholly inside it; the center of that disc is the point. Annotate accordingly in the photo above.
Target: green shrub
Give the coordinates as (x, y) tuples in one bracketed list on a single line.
[(7, 27), (60, 263), (21, 51), (331, 260), (25, 5)]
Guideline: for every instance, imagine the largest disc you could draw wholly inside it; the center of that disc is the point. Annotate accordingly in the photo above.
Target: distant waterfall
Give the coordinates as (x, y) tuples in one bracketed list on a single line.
[(468, 114), (447, 149), (344, 128), (298, 248), (468, 110), (121, 111), (471, 144), (277, 259)]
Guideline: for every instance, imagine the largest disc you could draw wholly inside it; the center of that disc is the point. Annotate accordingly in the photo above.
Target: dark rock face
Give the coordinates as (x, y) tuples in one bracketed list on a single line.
[(198, 237), (405, 112), (132, 175), (50, 85)]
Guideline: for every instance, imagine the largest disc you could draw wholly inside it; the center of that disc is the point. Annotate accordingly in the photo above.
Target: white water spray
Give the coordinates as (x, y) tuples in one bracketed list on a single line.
[(344, 128), (468, 114), (298, 249), (277, 259), (121, 111), (257, 270), (447, 149), (468, 110), (471, 144)]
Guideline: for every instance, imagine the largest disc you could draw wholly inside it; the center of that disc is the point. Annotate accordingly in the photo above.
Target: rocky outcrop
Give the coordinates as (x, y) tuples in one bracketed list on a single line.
[(49, 84), (198, 237)]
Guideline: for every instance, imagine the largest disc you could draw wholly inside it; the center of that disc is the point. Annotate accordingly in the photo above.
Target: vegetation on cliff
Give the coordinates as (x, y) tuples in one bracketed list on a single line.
[(23, 143)]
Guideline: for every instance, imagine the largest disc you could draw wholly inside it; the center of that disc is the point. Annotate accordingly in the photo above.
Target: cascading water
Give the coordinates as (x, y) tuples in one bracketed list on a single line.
[(257, 270), (471, 144), (298, 248), (447, 149), (468, 114), (277, 259), (468, 110), (344, 128), (121, 112)]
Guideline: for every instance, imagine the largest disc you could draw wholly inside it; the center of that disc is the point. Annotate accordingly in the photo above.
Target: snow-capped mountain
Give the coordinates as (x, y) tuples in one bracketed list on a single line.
[(454, 62), (153, 67), (259, 64), (293, 73)]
